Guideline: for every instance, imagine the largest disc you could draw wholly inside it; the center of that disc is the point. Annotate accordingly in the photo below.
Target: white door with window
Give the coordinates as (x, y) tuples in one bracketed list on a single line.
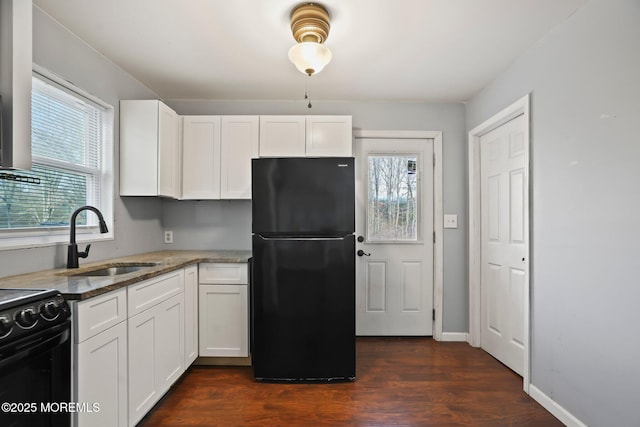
[(504, 242), (394, 229)]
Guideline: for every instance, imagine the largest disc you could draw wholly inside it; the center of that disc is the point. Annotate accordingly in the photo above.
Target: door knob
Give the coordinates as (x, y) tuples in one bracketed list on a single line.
[(360, 239), (361, 253)]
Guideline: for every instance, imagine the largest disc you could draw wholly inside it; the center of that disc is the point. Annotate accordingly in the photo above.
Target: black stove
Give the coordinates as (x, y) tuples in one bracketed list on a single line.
[(35, 357), (25, 312)]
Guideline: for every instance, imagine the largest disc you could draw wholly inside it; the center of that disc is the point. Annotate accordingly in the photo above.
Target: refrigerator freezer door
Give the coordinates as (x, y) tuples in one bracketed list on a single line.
[(303, 196), (303, 296)]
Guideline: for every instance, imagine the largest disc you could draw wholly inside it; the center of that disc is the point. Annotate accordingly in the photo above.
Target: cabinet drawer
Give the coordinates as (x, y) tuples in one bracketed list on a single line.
[(153, 291), (223, 273), (100, 313)]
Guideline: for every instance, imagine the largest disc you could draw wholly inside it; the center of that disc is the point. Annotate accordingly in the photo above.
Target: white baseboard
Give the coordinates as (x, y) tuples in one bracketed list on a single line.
[(455, 336), (552, 406)]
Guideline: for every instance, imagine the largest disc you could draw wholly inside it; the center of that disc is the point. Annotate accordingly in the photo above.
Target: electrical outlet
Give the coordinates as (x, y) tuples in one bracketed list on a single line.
[(451, 221), (168, 236)]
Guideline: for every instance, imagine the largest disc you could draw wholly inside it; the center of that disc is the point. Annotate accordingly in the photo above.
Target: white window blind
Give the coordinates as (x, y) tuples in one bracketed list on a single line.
[(68, 145)]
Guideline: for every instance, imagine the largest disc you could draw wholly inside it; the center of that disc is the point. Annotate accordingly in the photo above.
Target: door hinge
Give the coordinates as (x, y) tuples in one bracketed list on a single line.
[(434, 237), (434, 159), (433, 314)]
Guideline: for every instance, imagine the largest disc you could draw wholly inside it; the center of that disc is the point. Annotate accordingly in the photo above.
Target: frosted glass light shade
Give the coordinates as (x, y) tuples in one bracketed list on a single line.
[(309, 57)]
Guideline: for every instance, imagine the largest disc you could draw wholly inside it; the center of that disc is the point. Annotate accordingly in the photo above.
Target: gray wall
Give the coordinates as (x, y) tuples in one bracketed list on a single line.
[(137, 227), (584, 78), (228, 224)]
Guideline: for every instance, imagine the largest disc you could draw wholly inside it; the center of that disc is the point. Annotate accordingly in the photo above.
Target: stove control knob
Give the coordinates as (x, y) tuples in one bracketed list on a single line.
[(50, 310), (5, 326), (26, 318)]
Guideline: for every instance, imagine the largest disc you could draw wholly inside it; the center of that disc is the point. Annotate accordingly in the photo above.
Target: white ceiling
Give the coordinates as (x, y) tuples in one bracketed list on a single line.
[(392, 50)]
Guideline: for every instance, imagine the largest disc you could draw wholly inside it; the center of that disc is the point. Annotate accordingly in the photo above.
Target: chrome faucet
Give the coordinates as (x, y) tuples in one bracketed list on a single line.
[(72, 253)]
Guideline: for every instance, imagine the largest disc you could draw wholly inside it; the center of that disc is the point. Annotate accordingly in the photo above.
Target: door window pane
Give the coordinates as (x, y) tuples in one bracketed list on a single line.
[(392, 209)]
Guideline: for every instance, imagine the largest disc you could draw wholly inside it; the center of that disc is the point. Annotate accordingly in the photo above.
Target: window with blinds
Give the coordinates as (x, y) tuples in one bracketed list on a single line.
[(69, 135)]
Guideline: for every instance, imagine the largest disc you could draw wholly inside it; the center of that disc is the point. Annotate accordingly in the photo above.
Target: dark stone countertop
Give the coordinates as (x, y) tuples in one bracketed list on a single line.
[(83, 287)]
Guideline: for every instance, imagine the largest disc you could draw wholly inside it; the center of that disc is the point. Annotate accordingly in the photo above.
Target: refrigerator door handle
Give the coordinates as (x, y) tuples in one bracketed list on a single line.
[(304, 238)]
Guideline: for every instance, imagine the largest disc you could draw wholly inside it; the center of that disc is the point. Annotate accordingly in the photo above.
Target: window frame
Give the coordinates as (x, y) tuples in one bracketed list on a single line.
[(55, 235)]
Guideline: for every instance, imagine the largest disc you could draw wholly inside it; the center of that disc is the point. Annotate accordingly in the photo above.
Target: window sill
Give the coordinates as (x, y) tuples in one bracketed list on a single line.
[(39, 241)]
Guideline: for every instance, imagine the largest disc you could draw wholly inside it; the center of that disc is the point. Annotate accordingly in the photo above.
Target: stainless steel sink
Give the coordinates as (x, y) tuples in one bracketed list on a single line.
[(116, 270)]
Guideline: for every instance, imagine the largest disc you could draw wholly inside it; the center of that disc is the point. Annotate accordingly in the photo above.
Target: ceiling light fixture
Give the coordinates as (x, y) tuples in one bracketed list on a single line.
[(310, 28)]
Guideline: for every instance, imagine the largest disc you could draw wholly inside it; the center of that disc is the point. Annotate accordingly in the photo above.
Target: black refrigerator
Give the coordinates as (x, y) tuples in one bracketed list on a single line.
[(303, 269)]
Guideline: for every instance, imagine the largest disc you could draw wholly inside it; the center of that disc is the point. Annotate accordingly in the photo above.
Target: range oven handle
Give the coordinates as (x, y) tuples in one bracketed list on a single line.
[(18, 351)]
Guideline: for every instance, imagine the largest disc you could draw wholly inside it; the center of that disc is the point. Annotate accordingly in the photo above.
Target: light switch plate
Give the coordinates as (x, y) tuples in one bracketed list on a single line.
[(450, 221)]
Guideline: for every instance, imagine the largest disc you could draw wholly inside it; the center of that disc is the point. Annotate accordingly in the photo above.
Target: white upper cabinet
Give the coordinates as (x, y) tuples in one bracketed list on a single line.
[(209, 157), (170, 153), (305, 136), (282, 136), (150, 148), (328, 136), (240, 141), (217, 152), (201, 157)]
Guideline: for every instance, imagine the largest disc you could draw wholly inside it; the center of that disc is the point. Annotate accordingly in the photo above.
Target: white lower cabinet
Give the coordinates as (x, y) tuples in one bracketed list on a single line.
[(223, 310), (156, 343), (100, 357), (156, 354), (102, 378), (170, 339), (132, 344), (224, 321), (144, 387), (190, 315)]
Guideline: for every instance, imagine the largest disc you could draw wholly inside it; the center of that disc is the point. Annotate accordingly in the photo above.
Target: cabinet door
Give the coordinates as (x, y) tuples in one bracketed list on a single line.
[(102, 377), (201, 157), (169, 342), (282, 136), (169, 152), (139, 148), (190, 315), (240, 142), (144, 387), (224, 326), (329, 136), (156, 340)]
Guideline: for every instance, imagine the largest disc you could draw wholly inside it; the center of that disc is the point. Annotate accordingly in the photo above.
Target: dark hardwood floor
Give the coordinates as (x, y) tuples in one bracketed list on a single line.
[(400, 382)]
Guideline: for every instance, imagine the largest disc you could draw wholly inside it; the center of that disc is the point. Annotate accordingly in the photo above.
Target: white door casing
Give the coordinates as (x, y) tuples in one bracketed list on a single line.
[(499, 243), (395, 285)]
